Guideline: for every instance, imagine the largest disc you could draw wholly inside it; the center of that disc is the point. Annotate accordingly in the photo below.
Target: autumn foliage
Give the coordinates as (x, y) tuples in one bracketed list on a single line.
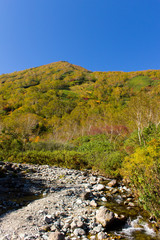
[(96, 119)]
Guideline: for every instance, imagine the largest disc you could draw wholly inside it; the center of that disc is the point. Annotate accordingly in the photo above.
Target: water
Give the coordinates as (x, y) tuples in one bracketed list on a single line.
[(137, 225), (138, 229)]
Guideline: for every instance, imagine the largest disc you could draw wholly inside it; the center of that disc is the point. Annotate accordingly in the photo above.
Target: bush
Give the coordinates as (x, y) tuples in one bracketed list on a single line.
[(68, 159), (139, 82), (143, 170), (148, 133), (101, 154), (112, 164), (94, 144), (48, 146)]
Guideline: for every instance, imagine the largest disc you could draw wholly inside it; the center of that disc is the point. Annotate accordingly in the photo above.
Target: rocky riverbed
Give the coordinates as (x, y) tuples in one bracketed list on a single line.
[(51, 203)]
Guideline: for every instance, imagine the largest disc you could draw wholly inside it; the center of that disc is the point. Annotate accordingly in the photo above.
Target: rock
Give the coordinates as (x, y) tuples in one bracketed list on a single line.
[(85, 173), (129, 199), (114, 191), (101, 235), (100, 179), (48, 219), (56, 236), (85, 195), (104, 199), (73, 225), (92, 237), (80, 224), (44, 228), (131, 204), (118, 199), (66, 226), (98, 228), (53, 228), (77, 223), (79, 201), (112, 183), (98, 187), (108, 219), (44, 237), (93, 180), (79, 232), (96, 194), (93, 203), (108, 194), (104, 216)]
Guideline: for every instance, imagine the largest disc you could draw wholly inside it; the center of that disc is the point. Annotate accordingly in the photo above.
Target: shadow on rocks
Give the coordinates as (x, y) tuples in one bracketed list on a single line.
[(16, 190)]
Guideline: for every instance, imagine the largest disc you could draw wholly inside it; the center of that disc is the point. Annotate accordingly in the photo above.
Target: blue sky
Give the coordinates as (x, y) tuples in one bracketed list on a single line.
[(99, 35)]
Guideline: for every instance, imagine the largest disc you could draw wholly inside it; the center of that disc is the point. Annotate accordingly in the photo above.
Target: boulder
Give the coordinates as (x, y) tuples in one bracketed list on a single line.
[(109, 220), (104, 216)]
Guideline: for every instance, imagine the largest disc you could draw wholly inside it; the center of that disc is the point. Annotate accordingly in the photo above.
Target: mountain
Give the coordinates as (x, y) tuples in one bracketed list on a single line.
[(65, 100), (62, 114)]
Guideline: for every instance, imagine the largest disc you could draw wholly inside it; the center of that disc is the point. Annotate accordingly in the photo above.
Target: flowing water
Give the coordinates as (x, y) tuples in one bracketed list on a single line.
[(137, 226)]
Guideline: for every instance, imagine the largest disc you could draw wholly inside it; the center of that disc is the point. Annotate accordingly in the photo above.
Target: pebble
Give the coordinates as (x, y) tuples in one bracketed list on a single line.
[(93, 203), (104, 199)]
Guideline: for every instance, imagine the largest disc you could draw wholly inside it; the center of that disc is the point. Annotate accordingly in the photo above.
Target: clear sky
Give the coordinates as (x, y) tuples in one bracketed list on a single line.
[(99, 35)]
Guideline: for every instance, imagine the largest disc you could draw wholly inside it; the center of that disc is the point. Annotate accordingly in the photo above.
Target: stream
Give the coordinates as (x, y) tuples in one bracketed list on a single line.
[(38, 185), (137, 226)]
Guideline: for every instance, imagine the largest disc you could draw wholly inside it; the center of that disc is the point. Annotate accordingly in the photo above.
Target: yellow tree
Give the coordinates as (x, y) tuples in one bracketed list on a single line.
[(140, 113)]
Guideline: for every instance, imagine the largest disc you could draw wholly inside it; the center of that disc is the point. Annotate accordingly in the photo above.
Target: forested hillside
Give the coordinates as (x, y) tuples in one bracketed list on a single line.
[(65, 115)]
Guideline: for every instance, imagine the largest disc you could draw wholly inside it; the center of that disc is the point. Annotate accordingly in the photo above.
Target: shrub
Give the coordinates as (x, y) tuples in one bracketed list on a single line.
[(139, 82), (112, 164), (48, 146), (143, 170), (101, 153), (68, 159), (95, 144)]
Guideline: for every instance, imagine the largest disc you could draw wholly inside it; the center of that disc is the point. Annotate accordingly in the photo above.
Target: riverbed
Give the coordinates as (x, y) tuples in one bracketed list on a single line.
[(36, 201)]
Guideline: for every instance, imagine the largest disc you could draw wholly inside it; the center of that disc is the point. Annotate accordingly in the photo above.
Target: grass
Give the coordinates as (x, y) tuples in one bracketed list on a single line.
[(139, 82)]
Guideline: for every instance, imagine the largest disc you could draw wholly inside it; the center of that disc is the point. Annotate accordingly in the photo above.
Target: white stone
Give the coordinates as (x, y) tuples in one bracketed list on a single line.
[(79, 232), (101, 235), (93, 203), (104, 199), (79, 201), (98, 187)]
